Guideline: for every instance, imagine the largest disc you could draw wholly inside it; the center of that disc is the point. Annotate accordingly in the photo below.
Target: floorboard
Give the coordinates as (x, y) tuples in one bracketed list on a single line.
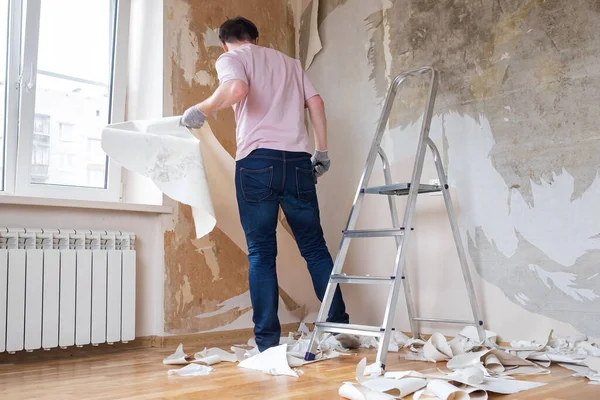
[(140, 374)]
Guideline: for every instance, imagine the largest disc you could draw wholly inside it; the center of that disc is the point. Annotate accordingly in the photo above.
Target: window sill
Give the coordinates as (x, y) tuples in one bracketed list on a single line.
[(97, 205)]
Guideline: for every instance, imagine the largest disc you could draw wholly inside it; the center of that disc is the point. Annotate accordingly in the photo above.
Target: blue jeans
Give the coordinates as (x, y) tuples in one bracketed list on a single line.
[(265, 180)]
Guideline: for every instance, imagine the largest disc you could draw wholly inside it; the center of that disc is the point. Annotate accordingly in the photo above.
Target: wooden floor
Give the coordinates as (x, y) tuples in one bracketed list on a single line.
[(139, 374)]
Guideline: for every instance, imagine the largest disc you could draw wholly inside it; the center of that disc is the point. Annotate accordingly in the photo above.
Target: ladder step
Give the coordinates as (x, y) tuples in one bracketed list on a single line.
[(365, 280), (352, 329), (446, 321), (374, 233), (401, 189)]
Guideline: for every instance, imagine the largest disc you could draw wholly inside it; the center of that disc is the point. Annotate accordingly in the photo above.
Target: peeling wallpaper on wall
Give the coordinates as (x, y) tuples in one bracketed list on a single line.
[(199, 276), (206, 284), (520, 82), (489, 54), (541, 250), (516, 115)]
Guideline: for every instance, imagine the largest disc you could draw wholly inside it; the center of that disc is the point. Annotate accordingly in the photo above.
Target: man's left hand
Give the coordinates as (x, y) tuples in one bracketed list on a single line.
[(193, 118), (320, 163)]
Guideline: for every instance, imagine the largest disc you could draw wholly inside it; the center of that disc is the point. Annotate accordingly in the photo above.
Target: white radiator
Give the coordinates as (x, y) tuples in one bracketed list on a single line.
[(61, 288)]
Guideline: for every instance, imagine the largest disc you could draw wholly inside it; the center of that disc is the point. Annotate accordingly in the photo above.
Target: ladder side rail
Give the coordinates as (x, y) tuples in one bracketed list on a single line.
[(396, 223), (363, 183), (457, 239), (407, 221)]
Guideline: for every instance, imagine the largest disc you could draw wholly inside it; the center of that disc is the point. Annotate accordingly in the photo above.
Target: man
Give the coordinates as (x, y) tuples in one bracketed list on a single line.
[(269, 92)]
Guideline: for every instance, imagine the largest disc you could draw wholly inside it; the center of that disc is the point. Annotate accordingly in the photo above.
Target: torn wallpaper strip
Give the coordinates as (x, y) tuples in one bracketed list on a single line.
[(272, 361), (222, 354), (210, 360), (357, 392), (470, 332), (177, 358), (393, 387), (497, 385), (470, 375), (193, 168), (191, 370), (476, 370), (396, 387), (437, 389), (314, 40), (496, 362), (437, 348), (584, 371), (170, 156), (281, 360), (469, 383)]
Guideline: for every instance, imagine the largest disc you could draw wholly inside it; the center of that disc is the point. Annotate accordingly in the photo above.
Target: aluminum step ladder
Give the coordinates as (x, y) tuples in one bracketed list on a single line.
[(401, 233)]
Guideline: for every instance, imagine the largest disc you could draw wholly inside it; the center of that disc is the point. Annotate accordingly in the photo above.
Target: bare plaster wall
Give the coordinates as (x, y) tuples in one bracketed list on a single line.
[(206, 286), (517, 122)]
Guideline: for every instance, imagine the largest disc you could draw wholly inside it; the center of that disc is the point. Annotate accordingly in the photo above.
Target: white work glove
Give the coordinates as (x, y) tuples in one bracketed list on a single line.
[(320, 163), (192, 118)]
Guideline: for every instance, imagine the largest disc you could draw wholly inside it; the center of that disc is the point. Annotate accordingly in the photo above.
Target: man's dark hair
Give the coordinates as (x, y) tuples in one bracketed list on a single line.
[(238, 29)]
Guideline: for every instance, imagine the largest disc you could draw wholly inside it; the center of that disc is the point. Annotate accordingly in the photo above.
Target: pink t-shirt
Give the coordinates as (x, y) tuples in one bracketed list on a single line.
[(272, 114)]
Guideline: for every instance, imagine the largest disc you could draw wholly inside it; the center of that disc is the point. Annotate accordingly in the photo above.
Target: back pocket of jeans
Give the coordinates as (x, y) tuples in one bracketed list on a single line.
[(305, 184), (256, 183)]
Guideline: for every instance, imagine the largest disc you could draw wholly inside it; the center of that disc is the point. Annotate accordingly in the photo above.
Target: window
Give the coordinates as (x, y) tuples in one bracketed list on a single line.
[(66, 88), (40, 164), (40, 156), (95, 153), (41, 125), (66, 162), (66, 132), (95, 176), (4, 10)]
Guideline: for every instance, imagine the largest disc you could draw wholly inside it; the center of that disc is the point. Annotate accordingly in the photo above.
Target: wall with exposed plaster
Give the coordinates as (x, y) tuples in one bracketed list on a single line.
[(516, 120), (206, 285)]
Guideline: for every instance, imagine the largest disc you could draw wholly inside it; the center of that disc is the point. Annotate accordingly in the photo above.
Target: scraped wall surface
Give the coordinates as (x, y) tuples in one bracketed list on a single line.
[(517, 122), (206, 284)]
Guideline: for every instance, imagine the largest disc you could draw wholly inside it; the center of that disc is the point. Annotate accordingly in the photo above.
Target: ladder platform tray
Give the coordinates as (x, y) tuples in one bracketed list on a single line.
[(353, 329), (374, 233), (401, 189), (365, 280)]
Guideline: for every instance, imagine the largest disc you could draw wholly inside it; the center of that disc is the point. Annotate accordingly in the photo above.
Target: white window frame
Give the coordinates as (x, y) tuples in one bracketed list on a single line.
[(20, 106), (60, 131)]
